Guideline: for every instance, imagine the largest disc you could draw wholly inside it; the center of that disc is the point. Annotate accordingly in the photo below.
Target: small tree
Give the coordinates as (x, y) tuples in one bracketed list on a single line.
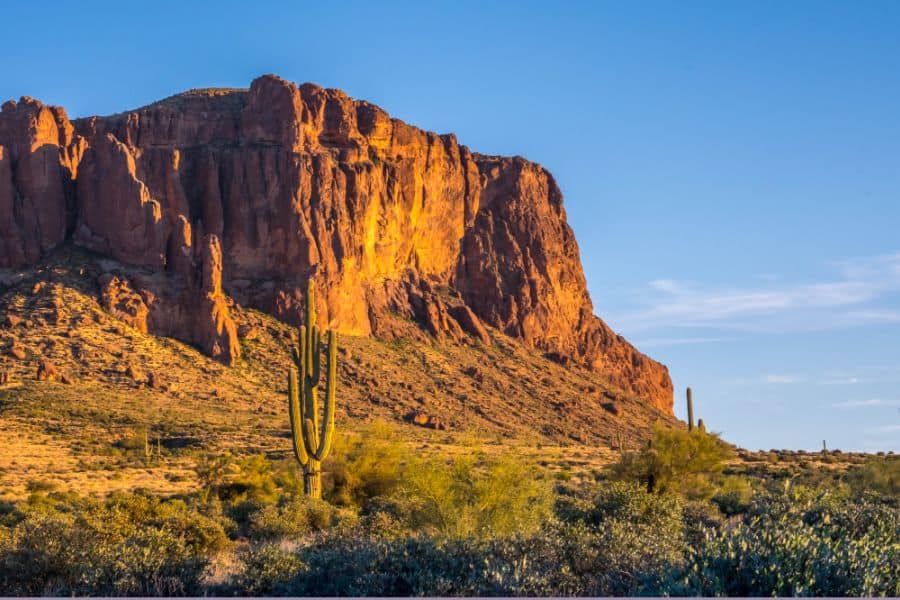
[(675, 460)]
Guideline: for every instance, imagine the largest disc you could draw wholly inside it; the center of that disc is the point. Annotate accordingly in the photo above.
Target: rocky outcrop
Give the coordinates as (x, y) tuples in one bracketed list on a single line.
[(250, 193), (39, 155), (191, 306)]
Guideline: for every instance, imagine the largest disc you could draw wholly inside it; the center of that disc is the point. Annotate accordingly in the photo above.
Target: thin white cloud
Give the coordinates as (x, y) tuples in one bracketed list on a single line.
[(858, 294), (782, 379), (681, 341), (875, 316), (841, 381), (871, 402)]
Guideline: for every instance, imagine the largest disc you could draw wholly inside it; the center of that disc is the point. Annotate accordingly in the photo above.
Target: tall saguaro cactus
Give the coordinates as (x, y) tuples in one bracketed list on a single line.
[(312, 442), (690, 406)]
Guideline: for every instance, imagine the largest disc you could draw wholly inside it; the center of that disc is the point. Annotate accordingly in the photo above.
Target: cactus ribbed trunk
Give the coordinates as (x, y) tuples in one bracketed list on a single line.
[(312, 479)]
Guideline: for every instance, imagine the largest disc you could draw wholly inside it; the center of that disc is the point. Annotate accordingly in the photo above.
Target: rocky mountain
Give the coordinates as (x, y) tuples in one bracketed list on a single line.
[(219, 199)]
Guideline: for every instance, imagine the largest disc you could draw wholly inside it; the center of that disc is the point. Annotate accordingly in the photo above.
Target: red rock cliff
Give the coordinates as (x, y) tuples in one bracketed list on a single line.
[(250, 193)]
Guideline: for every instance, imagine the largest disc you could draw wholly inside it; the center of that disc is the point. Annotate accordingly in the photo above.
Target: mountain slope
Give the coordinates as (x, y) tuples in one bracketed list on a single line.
[(108, 380)]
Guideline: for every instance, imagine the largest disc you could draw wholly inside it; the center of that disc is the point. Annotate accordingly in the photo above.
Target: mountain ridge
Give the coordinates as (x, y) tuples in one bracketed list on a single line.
[(231, 197)]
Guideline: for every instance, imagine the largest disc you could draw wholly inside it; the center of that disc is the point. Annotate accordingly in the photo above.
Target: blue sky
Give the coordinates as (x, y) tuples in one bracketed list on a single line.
[(731, 170)]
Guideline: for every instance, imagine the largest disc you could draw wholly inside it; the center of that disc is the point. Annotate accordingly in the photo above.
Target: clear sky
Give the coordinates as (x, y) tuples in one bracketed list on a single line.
[(731, 169)]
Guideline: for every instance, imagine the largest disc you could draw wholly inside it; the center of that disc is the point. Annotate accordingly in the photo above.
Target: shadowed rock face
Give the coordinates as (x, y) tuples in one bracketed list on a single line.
[(250, 193)]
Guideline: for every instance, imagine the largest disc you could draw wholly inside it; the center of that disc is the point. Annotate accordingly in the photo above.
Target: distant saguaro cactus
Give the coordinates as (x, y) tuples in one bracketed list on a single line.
[(690, 407), (312, 444), (701, 426)]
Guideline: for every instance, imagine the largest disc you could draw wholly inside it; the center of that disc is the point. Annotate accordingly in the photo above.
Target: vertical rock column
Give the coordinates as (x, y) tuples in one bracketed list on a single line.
[(214, 329)]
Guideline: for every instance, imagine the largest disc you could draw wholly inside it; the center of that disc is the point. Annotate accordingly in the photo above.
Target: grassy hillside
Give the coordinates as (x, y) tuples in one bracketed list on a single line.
[(113, 383)]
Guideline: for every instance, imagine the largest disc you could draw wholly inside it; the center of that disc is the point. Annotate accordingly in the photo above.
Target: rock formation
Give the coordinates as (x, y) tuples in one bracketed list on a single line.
[(243, 195)]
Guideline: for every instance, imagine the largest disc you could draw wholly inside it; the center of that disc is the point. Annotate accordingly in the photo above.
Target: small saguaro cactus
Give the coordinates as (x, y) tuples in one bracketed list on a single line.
[(690, 407), (147, 452), (312, 444), (701, 426)]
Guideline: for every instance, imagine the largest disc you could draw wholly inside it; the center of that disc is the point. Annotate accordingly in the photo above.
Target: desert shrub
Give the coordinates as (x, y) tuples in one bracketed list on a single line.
[(249, 479), (291, 518), (629, 502), (239, 489), (701, 519), (254, 477), (9, 514), (212, 470), (621, 549), (633, 535), (734, 496), (267, 570), (469, 496), (624, 547), (799, 544), (382, 522), (133, 443), (676, 460), (41, 485), (127, 545), (424, 566), (365, 465), (460, 498), (880, 475)]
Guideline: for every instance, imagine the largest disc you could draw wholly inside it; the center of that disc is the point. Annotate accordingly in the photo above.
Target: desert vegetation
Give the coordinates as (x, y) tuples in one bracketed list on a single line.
[(681, 516)]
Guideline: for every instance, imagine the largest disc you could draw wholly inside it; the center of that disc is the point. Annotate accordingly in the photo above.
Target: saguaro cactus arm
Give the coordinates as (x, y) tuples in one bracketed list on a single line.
[(296, 420), (314, 366), (328, 417)]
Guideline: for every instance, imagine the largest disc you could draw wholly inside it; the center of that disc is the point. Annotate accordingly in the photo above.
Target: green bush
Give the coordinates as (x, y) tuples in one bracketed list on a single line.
[(799, 545), (734, 496), (620, 547), (880, 475), (362, 565), (460, 498), (366, 465), (127, 545), (633, 536), (268, 570), (676, 460), (41, 485), (471, 496), (291, 518)]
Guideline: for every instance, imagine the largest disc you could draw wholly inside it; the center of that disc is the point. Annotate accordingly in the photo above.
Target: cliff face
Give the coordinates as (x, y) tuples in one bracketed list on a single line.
[(246, 194)]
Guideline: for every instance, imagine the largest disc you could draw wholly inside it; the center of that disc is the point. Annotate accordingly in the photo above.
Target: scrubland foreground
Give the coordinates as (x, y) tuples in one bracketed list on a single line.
[(684, 516)]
